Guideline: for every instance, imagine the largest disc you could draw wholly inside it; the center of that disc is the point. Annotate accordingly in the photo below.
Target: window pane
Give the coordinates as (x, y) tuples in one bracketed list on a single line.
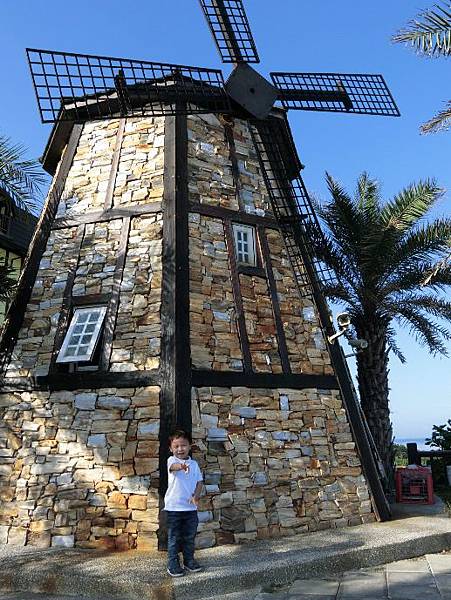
[(82, 335)]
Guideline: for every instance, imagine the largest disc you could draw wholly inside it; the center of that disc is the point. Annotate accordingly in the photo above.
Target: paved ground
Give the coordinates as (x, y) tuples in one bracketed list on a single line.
[(56, 574), (424, 578)]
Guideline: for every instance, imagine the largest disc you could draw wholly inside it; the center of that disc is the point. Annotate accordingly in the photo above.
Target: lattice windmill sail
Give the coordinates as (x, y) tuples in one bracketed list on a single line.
[(174, 280)]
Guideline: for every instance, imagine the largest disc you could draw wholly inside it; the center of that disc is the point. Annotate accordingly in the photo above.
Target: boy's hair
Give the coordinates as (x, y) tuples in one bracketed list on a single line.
[(180, 433)]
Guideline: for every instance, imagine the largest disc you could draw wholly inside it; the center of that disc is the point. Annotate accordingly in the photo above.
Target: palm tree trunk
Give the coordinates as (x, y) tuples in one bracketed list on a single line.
[(372, 375)]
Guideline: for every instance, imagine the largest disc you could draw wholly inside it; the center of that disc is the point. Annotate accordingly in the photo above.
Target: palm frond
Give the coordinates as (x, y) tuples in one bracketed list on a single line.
[(393, 346), (430, 32), (422, 245), (20, 179), (426, 332), (438, 307), (440, 122), (409, 206), (415, 276), (442, 267)]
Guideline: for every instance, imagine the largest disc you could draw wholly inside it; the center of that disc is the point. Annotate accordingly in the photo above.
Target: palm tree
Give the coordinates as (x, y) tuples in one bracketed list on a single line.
[(20, 183), (381, 254), (430, 35)]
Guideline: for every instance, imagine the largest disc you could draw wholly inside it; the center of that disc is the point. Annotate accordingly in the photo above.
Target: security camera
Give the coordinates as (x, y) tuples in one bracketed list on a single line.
[(358, 344), (343, 320)]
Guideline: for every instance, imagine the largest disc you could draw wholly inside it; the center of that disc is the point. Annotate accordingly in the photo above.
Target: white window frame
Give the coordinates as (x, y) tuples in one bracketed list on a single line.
[(249, 256), (63, 356)]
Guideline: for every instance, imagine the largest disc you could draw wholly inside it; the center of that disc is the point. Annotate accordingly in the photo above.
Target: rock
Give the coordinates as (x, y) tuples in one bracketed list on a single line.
[(97, 441), (113, 402), (134, 485), (63, 541), (85, 401), (233, 519)]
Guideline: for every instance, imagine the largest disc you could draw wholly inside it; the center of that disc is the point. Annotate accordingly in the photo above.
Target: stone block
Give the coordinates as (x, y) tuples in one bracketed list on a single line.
[(148, 430), (63, 541), (17, 536), (4, 529), (137, 502), (97, 441), (85, 401), (134, 485), (113, 402)]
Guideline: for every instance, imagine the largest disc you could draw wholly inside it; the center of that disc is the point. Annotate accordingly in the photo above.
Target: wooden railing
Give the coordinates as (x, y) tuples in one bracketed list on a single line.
[(414, 455)]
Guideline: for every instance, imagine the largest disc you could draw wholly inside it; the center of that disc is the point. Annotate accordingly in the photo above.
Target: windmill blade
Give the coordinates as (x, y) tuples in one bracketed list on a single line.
[(82, 87), (231, 30), (335, 92), (292, 207)]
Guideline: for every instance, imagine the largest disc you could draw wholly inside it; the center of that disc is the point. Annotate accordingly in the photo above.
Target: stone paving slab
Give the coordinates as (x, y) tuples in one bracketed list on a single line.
[(412, 579)]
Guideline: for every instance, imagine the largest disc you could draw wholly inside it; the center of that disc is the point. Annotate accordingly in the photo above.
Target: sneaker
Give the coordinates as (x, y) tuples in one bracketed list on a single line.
[(175, 570), (193, 566)]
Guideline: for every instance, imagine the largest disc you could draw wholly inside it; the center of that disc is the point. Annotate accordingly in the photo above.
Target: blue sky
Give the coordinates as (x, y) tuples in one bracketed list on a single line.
[(291, 35)]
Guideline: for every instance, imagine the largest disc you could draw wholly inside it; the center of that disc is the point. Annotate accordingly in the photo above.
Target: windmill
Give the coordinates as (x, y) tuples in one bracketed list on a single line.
[(75, 90), (79, 87)]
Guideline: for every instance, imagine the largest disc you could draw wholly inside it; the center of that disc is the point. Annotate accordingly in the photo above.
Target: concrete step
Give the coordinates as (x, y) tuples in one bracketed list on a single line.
[(228, 569)]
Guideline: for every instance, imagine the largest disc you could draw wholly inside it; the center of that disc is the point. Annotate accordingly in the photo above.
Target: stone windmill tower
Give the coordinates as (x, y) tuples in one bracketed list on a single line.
[(172, 281)]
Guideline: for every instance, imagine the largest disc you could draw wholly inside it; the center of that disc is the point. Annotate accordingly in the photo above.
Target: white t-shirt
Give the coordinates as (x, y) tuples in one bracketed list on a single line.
[(181, 485)]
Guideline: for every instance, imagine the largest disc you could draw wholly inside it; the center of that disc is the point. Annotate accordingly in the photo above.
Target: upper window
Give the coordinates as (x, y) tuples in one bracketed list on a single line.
[(5, 216), (82, 336), (245, 244)]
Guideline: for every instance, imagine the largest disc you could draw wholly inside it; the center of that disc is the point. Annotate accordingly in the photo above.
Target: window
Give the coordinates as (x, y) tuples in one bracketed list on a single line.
[(245, 244), (5, 214), (82, 336)]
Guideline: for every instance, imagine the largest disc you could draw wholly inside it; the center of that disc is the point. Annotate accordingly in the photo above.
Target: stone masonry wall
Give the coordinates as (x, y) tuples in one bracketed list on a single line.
[(136, 344), (276, 463), (87, 181), (214, 337), (34, 346), (79, 468), (139, 178), (260, 325), (307, 350)]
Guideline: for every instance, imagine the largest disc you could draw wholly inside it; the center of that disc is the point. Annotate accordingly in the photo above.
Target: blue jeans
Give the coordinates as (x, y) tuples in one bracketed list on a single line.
[(182, 528)]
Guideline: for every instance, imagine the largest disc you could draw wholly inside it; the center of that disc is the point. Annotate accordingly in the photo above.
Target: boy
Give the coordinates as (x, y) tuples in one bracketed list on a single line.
[(180, 504)]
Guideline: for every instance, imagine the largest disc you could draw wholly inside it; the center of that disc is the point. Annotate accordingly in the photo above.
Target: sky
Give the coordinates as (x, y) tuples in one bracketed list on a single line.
[(291, 35)]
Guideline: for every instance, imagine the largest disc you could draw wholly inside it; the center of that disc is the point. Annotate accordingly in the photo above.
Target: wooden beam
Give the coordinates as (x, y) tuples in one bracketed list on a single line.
[(228, 130), (240, 317), (19, 304), (263, 380), (281, 339), (219, 212), (91, 299), (96, 379), (113, 304), (182, 288), (101, 216), (66, 306), (114, 165)]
